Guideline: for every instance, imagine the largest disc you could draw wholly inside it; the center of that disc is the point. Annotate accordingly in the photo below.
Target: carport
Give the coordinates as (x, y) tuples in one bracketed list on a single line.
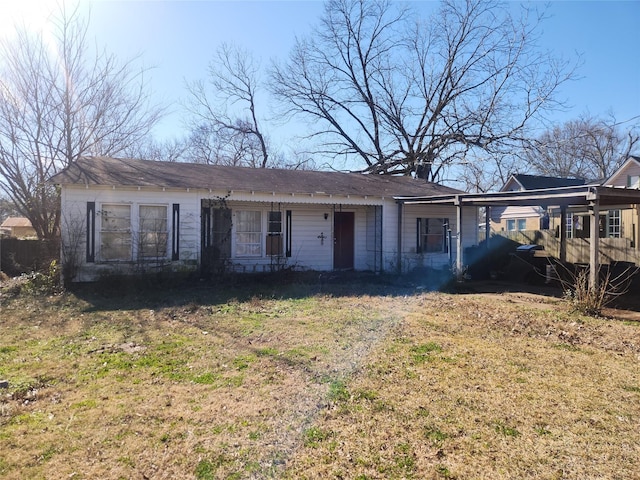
[(590, 198)]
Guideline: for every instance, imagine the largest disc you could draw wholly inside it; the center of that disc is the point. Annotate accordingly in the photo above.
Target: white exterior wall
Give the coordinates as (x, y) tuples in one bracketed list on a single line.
[(411, 259), (620, 178), (375, 229), (311, 234), (74, 225)]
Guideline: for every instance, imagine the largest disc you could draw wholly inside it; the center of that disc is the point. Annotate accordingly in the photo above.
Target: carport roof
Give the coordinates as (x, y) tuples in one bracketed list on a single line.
[(582, 195)]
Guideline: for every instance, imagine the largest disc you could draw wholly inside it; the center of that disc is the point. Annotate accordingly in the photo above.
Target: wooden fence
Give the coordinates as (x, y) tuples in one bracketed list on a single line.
[(612, 250), (24, 256)]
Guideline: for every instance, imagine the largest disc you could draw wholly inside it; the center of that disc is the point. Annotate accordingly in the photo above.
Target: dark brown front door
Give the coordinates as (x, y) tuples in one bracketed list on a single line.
[(343, 240)]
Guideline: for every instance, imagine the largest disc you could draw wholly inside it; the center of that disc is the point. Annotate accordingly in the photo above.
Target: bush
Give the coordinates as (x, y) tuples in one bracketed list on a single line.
[(43, 283), (589, 300)]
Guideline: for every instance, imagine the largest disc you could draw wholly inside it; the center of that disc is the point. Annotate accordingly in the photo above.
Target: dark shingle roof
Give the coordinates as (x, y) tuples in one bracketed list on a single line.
[(146, 173), (536, 182)]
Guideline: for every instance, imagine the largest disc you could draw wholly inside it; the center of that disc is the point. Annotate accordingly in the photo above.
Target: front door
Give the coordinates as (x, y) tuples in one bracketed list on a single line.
[(343, 244)]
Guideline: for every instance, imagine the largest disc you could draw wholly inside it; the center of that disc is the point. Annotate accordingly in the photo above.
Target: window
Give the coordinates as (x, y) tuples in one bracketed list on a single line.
[(248, 233), (516, 224), (274, 234), (432, 235), (115, 232), (633, 181), (613, 224), (153, 231), (572, 224)]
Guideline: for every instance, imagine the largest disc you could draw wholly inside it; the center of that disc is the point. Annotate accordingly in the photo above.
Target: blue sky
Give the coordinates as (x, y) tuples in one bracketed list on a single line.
[(178, 38)]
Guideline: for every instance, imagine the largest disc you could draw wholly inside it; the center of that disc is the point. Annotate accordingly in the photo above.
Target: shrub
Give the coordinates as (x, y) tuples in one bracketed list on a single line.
[(43, 283)]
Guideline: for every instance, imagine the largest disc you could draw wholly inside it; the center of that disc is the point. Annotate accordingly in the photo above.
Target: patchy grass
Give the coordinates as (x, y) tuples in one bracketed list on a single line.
[(311, 381)]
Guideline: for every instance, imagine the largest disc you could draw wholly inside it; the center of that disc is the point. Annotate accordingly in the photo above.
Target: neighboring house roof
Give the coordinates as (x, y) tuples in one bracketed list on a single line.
[(520, 181), (630, 162), (146, 173), (14, 222)]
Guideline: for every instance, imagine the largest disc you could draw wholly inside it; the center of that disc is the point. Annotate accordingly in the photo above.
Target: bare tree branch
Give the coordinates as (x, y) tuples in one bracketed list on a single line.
[(588, 148), (225, 128), (58, 102), (404, 96)]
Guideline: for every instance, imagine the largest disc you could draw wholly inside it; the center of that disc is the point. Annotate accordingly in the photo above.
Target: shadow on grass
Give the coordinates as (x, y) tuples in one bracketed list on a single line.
[(130, 292)]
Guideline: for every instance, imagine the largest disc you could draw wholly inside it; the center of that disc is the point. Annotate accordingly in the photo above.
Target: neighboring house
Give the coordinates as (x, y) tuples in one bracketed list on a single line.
[(616, 219), (521, 218), (620, 222), (18, 227), (124, 215), (623, 222)]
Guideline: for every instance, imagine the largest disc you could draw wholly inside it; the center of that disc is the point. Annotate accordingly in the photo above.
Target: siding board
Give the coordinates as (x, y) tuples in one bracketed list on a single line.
[(375, 228)]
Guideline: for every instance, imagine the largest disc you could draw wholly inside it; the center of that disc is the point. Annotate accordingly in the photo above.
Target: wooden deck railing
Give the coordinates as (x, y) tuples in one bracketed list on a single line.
[(577, 249)]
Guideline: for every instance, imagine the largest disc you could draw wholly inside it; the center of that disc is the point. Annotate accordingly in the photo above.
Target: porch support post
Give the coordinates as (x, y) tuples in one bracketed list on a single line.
[(563, 234), (594, 247), (458, 204), (400, 214)]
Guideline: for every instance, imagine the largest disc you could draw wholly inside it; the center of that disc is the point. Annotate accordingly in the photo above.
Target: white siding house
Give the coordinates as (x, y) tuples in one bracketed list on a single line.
[(127, 216)]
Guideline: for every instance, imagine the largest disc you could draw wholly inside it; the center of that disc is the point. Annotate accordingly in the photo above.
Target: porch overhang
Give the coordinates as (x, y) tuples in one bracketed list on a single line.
[(592, 198), (565, 196)]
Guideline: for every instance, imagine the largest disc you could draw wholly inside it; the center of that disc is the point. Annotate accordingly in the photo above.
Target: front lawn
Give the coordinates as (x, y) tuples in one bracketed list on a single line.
[(315, 381)]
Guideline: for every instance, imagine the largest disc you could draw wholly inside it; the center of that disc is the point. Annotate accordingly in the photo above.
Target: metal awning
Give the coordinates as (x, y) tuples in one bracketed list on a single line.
[(581, 195), (591, 198)]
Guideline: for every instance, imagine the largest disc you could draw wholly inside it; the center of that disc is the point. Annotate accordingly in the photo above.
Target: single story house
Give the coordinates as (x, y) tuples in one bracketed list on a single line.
[(515, 218), (127, 216), (18, 227)]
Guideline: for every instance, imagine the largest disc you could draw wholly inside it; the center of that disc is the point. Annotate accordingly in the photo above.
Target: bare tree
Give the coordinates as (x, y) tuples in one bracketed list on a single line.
[(588, 148), (60, 101), (486, 175), (404, 96), (226, 128), (7, 209), (172, 150)]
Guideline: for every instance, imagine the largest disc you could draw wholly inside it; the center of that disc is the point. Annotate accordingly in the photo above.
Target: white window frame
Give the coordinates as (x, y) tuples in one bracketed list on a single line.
[(614, 223), (515, 223), (110, 229), (248, 239), (426, 236), (570, 225), (161, 234)]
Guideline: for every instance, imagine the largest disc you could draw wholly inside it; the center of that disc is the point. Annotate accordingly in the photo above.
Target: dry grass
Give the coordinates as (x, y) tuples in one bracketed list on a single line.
[(340, 383)]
